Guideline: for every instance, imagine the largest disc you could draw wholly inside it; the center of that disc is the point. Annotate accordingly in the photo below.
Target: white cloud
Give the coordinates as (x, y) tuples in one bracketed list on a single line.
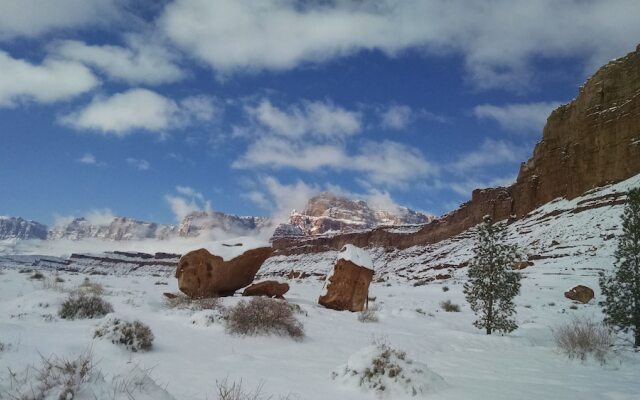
[(100, 216), (466, 187), (137, 109), (141, 62), (386, 162), (491, 152), (315, 118), (35, 17), (90, 159), (498, 39), (284, 198), (186, 202), (518, 118), (397, 117), (139, 164), (50, 81)]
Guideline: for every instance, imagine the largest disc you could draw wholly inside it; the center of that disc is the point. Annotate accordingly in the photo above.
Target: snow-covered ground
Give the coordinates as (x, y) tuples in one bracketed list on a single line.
[(189, 356), (568, 243)]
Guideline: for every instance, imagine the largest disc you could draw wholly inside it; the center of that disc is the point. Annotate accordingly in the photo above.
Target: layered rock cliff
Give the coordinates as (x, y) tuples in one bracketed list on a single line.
[(590, 142), (328, 212)]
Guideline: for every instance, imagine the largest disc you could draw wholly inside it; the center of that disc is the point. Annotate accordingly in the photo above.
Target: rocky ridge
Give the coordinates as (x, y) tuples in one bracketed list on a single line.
[(328, 213), (19, 228), (590, 142)]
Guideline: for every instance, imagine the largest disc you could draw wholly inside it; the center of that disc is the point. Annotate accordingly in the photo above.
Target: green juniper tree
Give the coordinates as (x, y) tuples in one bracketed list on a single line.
[(492, 282), (621, 289)]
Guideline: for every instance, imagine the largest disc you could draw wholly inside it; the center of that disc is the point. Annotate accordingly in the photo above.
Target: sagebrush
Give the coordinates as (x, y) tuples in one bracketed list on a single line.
[(80, 306), (448, 306), (263, 316), (134, 336), (583, 337)]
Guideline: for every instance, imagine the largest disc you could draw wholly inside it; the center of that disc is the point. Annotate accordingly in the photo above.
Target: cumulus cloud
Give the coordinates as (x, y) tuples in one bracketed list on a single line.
[(498, 39), (50, 81), (518, 118), (384, 162), (141, 62), (309, 118), (139, 164), (187, 201), (138, 109), (35, 17), (490, 152), (100, 216)]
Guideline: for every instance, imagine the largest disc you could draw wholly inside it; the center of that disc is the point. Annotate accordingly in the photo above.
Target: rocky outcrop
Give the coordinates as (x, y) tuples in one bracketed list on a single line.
[(590, 142), (267, 288), (582, 294), (347, 286), (18, 228), (327, 212), (202, 274)]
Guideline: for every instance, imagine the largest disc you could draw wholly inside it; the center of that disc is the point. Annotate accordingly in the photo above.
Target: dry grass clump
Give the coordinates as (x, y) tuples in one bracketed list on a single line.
[(182, 302), (89, 287), (134, 336), (264, 316), (369, 315), (583, 337), (55, 378), (448, 306), (81, 306), (234, 391)]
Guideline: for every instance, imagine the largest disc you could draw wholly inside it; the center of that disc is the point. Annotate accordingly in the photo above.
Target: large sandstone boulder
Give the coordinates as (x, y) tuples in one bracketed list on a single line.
[(267, 288), (580, 293), (347, 286), (202, 274)]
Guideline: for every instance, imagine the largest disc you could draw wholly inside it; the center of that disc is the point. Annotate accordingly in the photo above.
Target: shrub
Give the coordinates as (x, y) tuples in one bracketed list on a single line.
[(448, 306), (90, 287), (55, 378), (263, 316), (37, 275), (445, 288), (53, 283), (235, 391), (582, 337), (80, 305), (182, 302), (134, 336), (368, 315)]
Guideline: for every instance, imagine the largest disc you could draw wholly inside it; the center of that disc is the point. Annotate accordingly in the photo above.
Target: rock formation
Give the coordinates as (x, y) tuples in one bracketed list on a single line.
[(590, 142), (580, 293), (18, 228), (327, 212), (267, 288), (202, 274), (197, 222), (347, 286)]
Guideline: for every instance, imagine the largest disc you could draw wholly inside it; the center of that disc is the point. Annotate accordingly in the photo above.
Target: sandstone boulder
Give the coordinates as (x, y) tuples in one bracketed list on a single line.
[(267, 288), (580, 293), (347, 286), (202, 274)]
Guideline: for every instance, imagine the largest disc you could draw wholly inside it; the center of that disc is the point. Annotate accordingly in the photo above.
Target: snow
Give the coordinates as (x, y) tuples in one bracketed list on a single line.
[(356, 255), (230, 249), (192, 350)]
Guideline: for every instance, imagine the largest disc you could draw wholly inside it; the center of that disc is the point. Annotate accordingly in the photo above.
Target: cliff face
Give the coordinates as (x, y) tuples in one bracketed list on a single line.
[(587, 143), (327, 212), (18, 228)]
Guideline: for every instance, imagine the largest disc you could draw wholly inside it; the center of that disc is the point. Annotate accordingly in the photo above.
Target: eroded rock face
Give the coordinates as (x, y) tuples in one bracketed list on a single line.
[(590, 142), (580, 293), (202, 274), (347, 287), (267, 288)]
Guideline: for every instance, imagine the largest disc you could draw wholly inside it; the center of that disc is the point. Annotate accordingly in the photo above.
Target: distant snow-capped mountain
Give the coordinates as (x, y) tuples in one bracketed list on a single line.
[(19, 228), (120, 228), (195, 223), (328, 212)]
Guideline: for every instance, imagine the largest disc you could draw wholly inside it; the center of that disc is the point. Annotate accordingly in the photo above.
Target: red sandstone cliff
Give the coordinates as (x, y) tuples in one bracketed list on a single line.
[(589, 142)]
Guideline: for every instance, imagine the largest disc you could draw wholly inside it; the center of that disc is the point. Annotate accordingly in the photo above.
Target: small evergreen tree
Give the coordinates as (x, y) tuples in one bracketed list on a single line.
[(621, 289), (492, 282)]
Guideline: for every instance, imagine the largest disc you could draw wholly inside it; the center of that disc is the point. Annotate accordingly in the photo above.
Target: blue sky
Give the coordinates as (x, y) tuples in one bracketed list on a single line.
[(155, 109)]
